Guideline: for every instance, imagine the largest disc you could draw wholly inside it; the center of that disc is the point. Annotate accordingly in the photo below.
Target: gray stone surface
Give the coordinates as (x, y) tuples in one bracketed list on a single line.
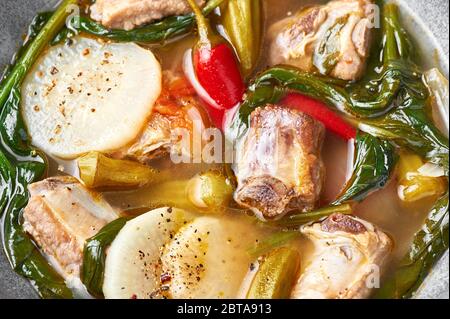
[(16, 14)]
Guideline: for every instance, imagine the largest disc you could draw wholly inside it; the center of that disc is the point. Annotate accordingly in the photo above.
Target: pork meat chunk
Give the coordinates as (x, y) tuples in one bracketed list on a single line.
[(279, 166), (333, 39), (348, 258), (129, 14), (61, 215), (177, 113)]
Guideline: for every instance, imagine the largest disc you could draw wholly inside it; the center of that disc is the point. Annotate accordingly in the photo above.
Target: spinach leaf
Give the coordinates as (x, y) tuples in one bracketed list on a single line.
[(158, 32), (429, 244), (21, 164), (94, 256), (374, 163), (390, 106)]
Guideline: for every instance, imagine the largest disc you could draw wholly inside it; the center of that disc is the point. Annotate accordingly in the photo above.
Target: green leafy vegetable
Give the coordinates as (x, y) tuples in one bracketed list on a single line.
[(94, 256), (21, 165), (429, 244), (392, 105), (158, 32), (375, 161)]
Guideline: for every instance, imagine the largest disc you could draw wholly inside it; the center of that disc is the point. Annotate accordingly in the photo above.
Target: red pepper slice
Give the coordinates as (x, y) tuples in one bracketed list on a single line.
[(218, 73), (322, 113), (216, 68)]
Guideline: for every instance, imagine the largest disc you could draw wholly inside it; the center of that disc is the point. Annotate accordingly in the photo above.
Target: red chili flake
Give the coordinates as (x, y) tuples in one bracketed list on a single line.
[(165, 278), (134, 296)]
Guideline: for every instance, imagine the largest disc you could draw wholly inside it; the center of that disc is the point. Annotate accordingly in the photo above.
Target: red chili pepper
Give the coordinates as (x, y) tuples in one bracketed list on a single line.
[(216, 68), (322, 113)]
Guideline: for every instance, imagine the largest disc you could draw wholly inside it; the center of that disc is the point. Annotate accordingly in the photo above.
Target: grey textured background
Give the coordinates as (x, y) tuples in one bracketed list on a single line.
[(16, 14)]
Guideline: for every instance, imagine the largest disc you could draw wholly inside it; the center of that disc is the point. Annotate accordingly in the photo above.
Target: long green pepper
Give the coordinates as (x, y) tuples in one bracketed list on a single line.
[(392, 109)]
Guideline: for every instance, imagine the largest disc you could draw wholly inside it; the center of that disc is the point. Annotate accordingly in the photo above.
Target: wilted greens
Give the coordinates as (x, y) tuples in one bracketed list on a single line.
[(158, 32), (429, 244), (374, 163), (20, 164), (94, 256), (392, 108)]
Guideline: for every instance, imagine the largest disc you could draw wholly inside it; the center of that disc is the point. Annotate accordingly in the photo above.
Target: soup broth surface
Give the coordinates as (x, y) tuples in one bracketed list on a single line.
[(383, 208)]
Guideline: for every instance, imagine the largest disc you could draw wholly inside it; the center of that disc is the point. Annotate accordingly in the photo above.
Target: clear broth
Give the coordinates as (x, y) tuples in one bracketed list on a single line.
[(383, 208)]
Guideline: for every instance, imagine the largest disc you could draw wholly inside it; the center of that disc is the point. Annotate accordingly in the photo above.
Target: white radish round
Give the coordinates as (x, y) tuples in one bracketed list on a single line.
[(208, 259), (89, 96), (133, 264)]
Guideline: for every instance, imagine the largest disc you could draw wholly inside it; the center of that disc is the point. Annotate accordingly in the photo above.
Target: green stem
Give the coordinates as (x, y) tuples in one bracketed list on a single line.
[(391, 49), (26, 61), (18, 170), (202, 24), (304, 218), (274, 241)]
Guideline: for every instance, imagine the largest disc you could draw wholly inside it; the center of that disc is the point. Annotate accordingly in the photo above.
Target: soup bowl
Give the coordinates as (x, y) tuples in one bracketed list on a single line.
[(427, 21)]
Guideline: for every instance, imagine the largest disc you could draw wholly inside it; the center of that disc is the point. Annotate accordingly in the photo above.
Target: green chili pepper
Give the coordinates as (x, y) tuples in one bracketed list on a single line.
[(102, 172), (276, 275), (391, 106), (243, 23)]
